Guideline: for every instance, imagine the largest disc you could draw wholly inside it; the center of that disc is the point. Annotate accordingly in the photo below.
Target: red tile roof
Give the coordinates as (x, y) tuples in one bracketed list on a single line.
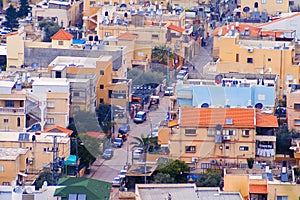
[(62, 35), (210, 117), (59, 129), (258, 189), (254, 31), (175, 28), (265, 120), (127, 36)]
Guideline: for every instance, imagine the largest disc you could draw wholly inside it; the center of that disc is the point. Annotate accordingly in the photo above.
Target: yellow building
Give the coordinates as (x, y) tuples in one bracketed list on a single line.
[(214, 137), (254, 186), (13, 165), (271, 7), (39, 147), (256, 56), (12, 107), (293, 108)]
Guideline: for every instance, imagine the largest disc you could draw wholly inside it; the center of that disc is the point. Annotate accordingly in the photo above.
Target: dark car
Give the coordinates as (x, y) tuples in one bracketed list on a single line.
[(118, 142), (124, 128), (107, 154)]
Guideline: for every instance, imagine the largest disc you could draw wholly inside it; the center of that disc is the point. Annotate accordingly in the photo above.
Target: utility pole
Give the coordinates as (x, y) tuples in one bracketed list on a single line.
[(168, 68)]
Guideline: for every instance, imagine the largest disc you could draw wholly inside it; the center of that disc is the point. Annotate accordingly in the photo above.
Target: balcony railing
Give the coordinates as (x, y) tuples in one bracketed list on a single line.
[(265, 152), (11, 110)]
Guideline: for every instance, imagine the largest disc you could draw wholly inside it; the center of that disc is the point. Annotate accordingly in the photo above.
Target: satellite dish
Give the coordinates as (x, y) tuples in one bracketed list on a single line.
[(246, 9), (218, 127), (18, 190), (34, 65), (29, 190), (45, 184)]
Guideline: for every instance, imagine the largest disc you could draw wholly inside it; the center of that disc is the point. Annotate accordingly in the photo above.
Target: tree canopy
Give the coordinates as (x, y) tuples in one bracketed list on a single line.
[(50, 28), (283, 140), (162, 54), (24, 8), (211, 179), (11, 17), (139, 77)]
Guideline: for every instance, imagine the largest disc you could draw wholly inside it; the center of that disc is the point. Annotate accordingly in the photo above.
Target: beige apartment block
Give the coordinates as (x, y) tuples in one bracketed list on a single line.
[(39, 147), (293, 107), (258, 57)]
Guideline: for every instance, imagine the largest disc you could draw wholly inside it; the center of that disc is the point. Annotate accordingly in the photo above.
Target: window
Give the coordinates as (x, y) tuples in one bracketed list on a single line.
[(92, 3), (1, 168), (190, 149), (77, 197), (5, 121), (279, 1), (5, 183), (101, 100), (107, 34), (282, 198), (76, 94), (101, 87), (205, 165), (50, 120), (291, 3), (60, 42), (297, 106), (246, 133), (190, 131), (227, 147), (263, 1), (9, 103), (269, 59), (101, 72), (211, 132), (154, 36), (50, 104), (229, 121), (244, 148), (249, 60), (237, 57), (297, 122), (228, 132), (18, 122)]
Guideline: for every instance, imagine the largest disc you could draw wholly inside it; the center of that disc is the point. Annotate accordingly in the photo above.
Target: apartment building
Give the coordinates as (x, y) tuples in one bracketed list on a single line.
[(38, 147), (293, 107), (258, 56), (13, 165), (214, 137), (261, 185), (12, 106)]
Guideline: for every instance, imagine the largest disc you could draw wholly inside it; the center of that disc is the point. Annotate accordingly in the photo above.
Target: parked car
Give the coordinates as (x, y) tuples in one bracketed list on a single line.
[(137, 153), (185, 68), (154, 132), (169, 91), (108, 154), (140, 117), (122, 173), (117, 181), (118, 142), (181, 74), (124, 128)]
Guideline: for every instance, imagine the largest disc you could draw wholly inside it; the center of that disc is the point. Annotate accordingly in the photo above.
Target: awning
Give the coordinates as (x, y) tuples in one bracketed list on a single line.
[(173, 123), (71, 160), (258, 189), (22, 174)]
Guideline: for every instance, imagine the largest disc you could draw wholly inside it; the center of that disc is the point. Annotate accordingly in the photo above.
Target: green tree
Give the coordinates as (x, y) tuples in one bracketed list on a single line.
[(177, 170), (45, 175), (139, 77), (211, 179), (147, 143), (50, 28), (11, 17), (283, 140), (24, 9), (88, 148), (85, 122), (163, 178), (161, 54)]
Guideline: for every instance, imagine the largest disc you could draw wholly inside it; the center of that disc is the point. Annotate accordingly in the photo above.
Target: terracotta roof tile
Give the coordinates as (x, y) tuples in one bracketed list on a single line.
[(62, 35), (254, 31), (175, 28), (59, 129), (265, 120), (127, 36), (210, 117), (258, 189)]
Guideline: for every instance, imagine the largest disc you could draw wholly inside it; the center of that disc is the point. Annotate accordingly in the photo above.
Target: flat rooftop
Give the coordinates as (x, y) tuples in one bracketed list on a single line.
[(80, 62), (50, 81), (11, 153)]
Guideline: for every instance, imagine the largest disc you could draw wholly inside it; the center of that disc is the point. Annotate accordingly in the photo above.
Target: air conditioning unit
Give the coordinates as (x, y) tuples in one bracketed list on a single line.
[(194, 160), (226, 137), (250, 50), (30, 161)]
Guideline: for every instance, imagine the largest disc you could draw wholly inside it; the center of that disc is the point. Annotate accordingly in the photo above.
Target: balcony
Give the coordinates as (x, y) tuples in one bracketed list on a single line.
[(11, 110), (139, 62), (262, 152)]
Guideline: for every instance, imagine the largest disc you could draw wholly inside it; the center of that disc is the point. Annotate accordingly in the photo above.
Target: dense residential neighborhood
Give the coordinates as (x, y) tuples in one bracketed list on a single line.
[(108, 100)]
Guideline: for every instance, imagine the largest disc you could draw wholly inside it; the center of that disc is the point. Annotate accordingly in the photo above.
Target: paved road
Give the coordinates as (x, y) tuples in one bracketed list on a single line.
[(106, 170)]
